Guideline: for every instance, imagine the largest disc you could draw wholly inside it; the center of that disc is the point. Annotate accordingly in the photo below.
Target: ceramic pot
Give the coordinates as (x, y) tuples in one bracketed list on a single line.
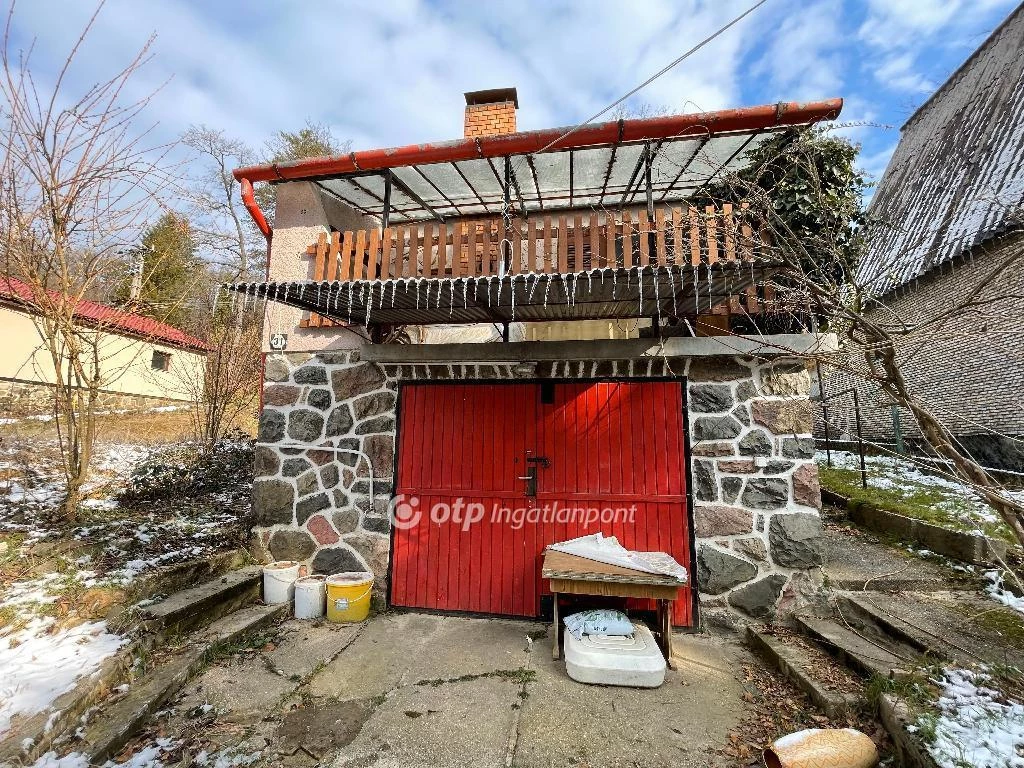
[(822, 748)]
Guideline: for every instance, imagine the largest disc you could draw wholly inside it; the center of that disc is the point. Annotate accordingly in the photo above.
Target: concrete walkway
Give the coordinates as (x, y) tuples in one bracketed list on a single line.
[(408, 689)]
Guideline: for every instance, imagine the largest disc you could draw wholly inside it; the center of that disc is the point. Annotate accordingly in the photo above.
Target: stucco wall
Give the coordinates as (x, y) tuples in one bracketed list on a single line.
[(126, 362), (755, 485)]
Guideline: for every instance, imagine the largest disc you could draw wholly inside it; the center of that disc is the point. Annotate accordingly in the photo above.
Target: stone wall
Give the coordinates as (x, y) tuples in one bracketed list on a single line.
[(754, 483), (19, 399)]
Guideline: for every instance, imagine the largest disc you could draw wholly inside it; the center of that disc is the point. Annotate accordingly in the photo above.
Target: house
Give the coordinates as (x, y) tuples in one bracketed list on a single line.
[(564, 378), (948, 213), (144, 362)]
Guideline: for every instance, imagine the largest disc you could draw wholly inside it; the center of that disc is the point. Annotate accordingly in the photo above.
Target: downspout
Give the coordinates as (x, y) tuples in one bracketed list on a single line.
[(249, 201)]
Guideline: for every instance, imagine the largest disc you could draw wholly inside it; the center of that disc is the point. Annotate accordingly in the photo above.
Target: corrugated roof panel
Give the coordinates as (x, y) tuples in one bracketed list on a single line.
[(956, 178)]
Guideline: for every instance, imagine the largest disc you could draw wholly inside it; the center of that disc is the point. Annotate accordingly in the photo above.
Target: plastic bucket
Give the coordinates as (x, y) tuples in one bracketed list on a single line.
[(279, 581), (348, 596), (310, 597)]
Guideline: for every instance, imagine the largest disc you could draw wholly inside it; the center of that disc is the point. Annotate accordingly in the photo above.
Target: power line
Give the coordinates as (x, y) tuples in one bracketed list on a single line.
[(653, 77)]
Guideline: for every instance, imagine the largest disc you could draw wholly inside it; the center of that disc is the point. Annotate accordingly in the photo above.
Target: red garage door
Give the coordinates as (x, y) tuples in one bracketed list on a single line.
[(470, 527)]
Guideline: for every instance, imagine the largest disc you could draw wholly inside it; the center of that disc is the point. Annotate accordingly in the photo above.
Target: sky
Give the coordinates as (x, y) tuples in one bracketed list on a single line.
[(392, 72)]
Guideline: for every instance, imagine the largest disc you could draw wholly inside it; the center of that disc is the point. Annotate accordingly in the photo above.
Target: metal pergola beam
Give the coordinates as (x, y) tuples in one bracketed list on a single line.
[(407, 191)]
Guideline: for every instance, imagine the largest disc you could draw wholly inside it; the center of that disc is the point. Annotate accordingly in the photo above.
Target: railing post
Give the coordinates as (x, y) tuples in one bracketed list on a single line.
[(386, 218), (860, 440)]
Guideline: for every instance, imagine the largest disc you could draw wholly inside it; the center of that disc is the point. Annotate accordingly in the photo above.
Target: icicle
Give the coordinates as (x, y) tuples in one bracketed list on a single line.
[(441, 284), (640, 288), (547, 287), (615, 274), (369, 305), (696, 289), (657, 302), (672, 287), (349, 286), (512, 291), (417, 299), (451, 298), (536, 282), (710, 285), (465, 291), (318, 294)]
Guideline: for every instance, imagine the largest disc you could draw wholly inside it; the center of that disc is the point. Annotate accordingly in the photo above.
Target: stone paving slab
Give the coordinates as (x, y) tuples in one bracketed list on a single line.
[(465, 724), (305, 645), (567, 723), (402, 648)]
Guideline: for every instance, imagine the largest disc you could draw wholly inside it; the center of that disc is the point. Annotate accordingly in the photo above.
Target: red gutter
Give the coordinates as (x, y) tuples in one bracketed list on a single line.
[(249, 201), (747, 119)]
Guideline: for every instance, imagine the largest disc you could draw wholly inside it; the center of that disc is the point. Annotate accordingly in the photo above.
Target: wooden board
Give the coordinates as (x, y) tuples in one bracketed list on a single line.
[(560, 565)]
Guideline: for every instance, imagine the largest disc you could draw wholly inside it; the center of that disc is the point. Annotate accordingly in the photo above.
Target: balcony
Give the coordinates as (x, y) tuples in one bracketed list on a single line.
[(682, 262), (582, 223)]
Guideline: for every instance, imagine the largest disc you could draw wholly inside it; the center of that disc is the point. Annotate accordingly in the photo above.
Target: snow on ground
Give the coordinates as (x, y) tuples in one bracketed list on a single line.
[(904, 478), (1000, 594), (976, 727), (148, 507), (153, 756), (39, 666)]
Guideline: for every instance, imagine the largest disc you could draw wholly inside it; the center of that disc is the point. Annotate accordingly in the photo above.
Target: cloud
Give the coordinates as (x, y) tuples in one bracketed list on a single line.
[(898, 73), (801, 56)]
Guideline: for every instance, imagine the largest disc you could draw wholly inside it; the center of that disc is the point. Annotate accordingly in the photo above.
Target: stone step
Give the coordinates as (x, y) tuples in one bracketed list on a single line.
[(796, 663), (866, 656), (860, 612), (119, 721), (198, 606)]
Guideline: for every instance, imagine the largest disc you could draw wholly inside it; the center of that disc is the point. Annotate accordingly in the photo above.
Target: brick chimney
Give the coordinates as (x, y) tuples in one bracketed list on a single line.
[(491, 112)]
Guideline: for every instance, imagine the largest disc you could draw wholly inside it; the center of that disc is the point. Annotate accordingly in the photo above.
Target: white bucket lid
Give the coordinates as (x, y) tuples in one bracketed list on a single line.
[(280, 565), (354, 577), (314, 579)]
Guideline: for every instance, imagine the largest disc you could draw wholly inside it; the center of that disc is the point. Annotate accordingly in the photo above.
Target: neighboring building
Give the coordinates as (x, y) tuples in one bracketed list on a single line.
[(145, 363), (581, 245), (950, 209)]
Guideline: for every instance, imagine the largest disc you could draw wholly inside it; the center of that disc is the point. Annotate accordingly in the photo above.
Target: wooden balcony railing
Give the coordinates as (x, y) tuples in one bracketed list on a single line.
[(562, 243)]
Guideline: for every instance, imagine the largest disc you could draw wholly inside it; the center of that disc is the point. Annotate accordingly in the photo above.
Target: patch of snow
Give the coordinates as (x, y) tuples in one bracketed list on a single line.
[(904, 477), (998, 593), (976, 726), (38, 666), (148, 757)]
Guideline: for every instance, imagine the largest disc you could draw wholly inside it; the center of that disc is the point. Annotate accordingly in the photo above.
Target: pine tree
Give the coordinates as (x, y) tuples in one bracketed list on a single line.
[(171, 272)]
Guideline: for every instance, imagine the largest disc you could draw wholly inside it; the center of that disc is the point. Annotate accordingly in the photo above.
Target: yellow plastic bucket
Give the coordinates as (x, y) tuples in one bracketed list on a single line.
[(348, 596)]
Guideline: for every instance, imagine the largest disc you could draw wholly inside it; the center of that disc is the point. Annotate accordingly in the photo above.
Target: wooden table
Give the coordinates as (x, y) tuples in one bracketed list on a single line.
[(573, 575)]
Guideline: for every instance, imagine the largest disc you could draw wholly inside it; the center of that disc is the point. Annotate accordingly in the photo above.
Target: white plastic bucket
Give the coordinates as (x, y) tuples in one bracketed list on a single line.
[(279, 581), (310, 597)]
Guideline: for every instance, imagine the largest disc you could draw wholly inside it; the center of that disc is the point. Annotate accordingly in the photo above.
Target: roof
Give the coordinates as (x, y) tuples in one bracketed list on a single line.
[(108, 318), (593, 165), (956, 179)]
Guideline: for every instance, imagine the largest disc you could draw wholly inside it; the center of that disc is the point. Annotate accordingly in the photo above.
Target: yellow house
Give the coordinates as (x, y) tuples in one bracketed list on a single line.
[(145, 363)]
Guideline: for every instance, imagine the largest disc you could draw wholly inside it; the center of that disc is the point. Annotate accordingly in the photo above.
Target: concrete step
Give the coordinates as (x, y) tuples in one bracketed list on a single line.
[(198, 606), (866, 656), (119, 721), (798, 663), (862, 613)]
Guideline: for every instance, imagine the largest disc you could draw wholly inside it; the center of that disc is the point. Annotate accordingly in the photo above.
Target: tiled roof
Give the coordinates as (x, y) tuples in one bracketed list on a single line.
[(109, 318), (956, 178)]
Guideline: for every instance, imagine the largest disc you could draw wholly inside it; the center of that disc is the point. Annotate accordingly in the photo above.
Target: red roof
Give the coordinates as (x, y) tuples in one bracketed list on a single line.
[(109, 318)]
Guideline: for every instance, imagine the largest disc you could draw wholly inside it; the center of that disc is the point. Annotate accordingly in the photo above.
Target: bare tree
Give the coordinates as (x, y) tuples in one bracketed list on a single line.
[(76, 185), (223, 226), (817, 286), (227, 387)]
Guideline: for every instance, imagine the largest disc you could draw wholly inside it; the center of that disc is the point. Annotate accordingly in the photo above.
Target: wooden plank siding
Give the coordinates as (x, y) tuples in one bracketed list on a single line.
[(544, 242)]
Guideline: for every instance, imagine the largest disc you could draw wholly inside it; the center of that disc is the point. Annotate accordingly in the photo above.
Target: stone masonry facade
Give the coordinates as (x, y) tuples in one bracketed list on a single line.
[(19, 399), (325, 464)]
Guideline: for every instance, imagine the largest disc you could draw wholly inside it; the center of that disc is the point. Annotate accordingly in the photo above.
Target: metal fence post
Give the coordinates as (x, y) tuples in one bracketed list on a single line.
[(860, 441)]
